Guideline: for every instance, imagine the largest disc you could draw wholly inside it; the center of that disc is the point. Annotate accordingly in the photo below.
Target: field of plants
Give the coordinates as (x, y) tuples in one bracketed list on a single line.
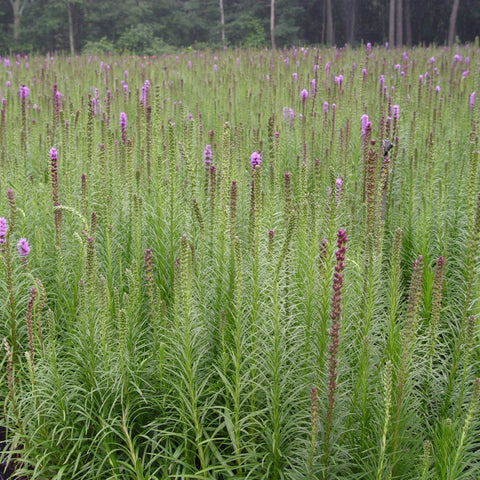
[(243, 264)]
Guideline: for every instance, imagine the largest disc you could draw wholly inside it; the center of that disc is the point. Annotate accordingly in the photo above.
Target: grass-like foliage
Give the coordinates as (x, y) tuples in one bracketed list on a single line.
[(241, 265)]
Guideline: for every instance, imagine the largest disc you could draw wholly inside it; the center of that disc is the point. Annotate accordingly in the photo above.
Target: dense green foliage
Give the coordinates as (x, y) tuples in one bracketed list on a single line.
[(154, 27), (176, 307)]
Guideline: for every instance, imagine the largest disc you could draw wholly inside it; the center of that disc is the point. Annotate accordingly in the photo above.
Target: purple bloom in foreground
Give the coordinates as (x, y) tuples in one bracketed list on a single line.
[(472, 100), (123, 126), (338, 189), (23, 92), (123, 121), (304, 94), (364, 123), (207, 155), (23, 248), (3, 229), (396, 110), (255, 159)]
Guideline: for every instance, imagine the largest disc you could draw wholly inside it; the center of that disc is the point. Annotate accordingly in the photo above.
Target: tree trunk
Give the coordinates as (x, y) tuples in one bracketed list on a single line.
[(272, 23), (408, 23), (330, 34), (391, 24), (453, 22), (349, 11), (324, 16), (17, 10), (222, 21), (70, 29), (399, 42)]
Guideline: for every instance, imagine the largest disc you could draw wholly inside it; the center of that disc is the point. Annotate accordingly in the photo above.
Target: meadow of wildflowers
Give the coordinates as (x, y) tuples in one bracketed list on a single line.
[(244, 264)]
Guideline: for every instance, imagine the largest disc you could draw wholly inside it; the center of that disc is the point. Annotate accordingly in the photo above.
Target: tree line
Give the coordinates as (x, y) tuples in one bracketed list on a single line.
[(151, 27)]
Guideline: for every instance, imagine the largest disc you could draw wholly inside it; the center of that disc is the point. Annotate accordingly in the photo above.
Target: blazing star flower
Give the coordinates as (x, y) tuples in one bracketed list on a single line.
[(144, 93), (437, 88), (23, 248), (338, 189), (313, 87), (472, 100), (396, 111), (3, 229), (325, 107), (291, 115), (94, 106), (207, 155), (255, 159), (123, 121), (23, 92), (294, 76), (364, 123), (123, 126), (304, 94), (8, 84)]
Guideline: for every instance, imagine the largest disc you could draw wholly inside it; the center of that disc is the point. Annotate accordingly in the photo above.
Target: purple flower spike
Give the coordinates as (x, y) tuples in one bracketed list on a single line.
[(396, 111), (472, 100), (255, 159), (338, 188), (23, 248), (23, 92), (304, 94), (364, 122), (207, 155), (123, 120), (53, 154), (3, 229), (123, 126)]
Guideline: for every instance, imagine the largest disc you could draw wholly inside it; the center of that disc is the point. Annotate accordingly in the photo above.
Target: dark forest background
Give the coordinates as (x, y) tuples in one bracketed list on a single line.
[(152, 27)]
